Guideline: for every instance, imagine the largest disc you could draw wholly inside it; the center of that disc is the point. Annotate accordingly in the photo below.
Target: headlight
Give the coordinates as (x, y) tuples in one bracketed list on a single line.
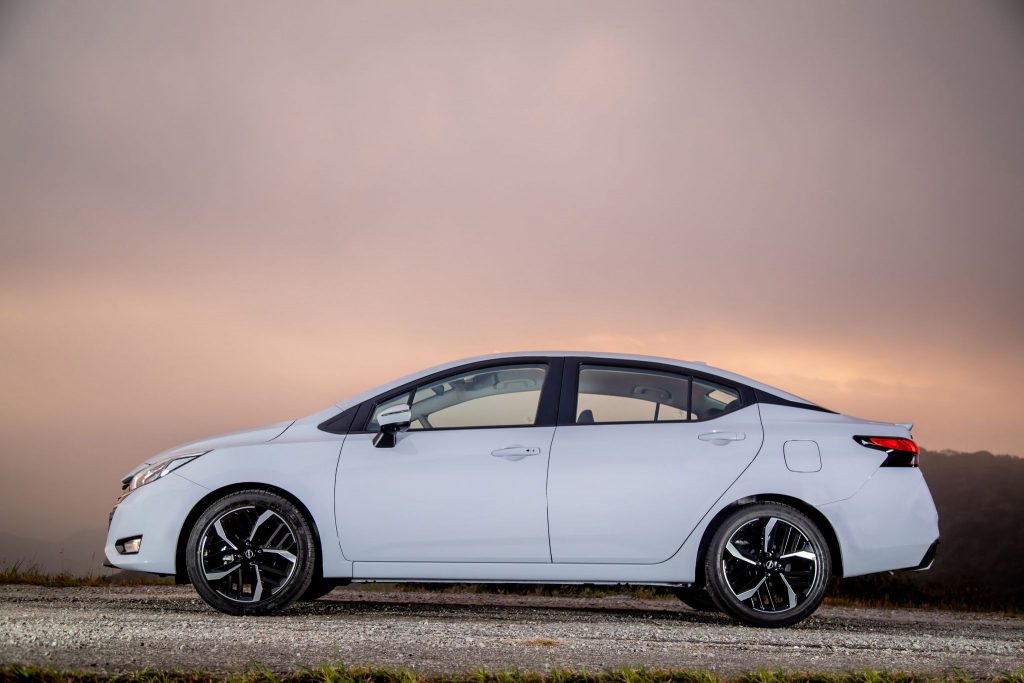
[(154, 472)]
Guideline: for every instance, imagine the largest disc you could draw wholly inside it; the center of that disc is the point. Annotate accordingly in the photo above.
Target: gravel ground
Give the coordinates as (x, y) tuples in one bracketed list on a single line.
[(121, 629)]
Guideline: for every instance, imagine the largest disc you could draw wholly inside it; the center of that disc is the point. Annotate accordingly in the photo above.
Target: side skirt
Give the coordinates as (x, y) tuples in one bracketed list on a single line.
[(665, 574)]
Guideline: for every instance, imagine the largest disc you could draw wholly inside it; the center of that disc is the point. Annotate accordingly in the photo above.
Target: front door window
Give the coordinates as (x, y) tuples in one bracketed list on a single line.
[(501, 396)]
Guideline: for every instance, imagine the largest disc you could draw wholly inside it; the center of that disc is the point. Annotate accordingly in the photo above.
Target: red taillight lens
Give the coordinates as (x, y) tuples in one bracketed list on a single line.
[(887, 443), (901, 452)]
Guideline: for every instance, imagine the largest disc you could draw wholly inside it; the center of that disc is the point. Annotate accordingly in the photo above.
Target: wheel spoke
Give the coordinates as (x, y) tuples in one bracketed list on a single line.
[(273, 573), (768, 591), (768, 528), (283, 553), (789, 591), (797, 575), (224, 537), (267, 514), (218, 575), (746, 595), (258, 593), (802, 554), (735, 552), (281, 529)]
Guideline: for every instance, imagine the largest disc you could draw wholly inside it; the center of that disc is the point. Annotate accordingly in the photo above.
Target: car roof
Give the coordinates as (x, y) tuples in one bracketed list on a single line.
[(697, 366)]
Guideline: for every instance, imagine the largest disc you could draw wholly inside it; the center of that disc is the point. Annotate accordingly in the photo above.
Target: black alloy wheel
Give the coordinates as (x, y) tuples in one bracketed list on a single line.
[(768, 565), (251, 552)]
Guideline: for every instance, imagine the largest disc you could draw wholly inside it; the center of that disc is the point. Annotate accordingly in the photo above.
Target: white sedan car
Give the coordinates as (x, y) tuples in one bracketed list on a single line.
[(542, 467)]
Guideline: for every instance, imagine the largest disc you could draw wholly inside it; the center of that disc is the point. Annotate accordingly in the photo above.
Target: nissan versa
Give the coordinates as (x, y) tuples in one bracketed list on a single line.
[(541, 467)]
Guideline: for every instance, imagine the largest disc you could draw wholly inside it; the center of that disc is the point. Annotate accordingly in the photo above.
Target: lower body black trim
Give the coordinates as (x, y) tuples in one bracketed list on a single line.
[(929, 557)]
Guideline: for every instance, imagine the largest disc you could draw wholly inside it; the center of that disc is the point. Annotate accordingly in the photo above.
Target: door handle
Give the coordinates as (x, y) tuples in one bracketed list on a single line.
[(516, 452), (722, 438)]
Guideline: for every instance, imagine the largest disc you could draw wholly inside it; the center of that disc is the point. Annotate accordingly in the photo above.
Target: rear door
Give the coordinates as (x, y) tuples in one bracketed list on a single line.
[(647, 451)]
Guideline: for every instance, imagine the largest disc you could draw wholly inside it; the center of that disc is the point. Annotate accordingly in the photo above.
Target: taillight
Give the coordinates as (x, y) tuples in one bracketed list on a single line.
[(901, 452)]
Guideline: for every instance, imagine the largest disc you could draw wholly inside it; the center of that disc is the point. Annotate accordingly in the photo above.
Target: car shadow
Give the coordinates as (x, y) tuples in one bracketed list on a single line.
[(499, 607)]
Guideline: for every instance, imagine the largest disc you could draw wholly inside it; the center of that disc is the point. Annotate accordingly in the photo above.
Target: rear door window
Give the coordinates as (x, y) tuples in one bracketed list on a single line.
[(710, 399), (621, 394)]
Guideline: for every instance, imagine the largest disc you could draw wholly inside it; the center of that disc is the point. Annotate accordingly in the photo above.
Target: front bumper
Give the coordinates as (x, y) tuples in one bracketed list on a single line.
[(156, 512)]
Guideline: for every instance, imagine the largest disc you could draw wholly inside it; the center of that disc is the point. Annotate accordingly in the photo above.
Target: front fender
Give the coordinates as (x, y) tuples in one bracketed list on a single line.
[(305, 470)]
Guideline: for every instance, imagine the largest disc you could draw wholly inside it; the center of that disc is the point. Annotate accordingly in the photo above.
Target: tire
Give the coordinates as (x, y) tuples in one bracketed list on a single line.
[(318, 588), (251, 552), (697, 598), (768, 583)]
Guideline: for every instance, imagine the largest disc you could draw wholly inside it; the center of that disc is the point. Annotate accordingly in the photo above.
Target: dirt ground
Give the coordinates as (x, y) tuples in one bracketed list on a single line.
[(119, 629)]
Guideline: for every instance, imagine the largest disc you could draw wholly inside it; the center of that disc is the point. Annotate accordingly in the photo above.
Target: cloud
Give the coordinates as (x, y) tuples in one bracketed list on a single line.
[(213, 219)]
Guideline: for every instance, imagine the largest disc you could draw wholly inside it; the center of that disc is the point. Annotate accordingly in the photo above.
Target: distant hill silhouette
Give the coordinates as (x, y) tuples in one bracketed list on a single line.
[(980, 564), (80, 553)]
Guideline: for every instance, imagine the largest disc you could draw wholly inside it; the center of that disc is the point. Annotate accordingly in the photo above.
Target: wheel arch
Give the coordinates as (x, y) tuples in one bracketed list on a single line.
[(180, 570), (816, 516)]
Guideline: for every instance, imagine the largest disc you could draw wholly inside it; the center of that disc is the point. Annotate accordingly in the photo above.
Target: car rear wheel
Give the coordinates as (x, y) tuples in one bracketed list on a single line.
[(251, 552), (768, 565)]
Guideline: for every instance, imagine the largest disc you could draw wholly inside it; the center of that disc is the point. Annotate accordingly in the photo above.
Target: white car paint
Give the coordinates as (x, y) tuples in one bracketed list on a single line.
[(612, 501), (441, 496), (595, 503)]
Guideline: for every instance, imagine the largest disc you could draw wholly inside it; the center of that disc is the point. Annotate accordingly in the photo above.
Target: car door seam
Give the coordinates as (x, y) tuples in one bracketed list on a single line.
[(547, 503), (728, 488), (337, 525)]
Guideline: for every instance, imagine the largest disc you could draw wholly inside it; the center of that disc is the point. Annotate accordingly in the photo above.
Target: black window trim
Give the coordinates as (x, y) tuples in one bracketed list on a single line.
[(766, 397), (340, 423), (547, 409), (558, 395), (570, 382)]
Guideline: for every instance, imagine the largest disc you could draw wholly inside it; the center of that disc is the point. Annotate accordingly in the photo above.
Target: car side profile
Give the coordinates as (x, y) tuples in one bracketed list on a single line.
[(549, 467)]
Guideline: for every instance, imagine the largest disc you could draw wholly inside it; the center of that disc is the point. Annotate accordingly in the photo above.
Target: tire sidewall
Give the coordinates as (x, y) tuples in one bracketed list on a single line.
[(718, 588), (305, 558)]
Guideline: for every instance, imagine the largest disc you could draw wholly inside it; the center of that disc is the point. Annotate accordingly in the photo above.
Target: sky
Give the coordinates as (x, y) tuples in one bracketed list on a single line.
[(218, 215)]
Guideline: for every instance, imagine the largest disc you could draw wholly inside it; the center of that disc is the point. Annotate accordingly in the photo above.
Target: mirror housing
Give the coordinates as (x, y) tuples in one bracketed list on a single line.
[(392, 420)]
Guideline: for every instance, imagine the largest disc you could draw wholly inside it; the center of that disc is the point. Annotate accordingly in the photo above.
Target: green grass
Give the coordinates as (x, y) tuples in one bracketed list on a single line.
[(327, 674), (20, 572)]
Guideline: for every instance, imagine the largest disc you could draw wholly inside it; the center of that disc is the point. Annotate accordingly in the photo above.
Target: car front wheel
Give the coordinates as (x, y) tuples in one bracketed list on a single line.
[(768, 565), (251, 552)]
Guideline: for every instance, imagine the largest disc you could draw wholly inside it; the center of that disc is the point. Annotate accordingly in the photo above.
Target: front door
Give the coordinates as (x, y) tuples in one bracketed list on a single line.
[(649, 454), (465, 483)]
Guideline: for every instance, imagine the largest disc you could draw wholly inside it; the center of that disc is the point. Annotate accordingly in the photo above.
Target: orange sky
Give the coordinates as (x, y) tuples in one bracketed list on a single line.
[(211, 219)]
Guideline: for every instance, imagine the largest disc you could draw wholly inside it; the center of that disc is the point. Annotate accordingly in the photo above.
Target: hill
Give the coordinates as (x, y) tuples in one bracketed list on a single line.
[(80, 553)]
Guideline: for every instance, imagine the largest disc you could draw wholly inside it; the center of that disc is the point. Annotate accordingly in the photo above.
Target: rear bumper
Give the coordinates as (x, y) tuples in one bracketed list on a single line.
[(891, 523), (156, 512), (929, 558)]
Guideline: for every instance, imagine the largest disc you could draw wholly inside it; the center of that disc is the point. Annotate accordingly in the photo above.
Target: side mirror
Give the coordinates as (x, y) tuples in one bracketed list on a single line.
[(391, 420)]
